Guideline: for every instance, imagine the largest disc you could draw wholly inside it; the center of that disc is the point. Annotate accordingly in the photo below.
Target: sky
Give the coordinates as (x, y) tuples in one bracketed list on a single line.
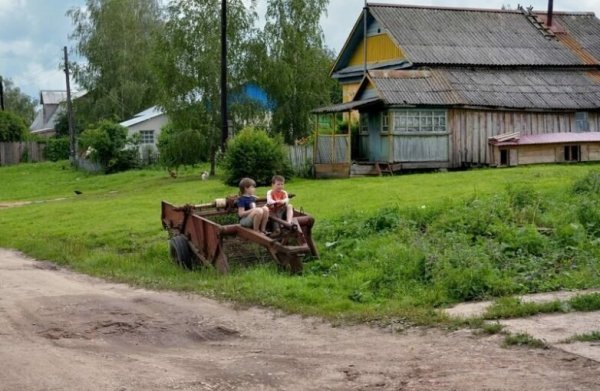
[(34, 32)]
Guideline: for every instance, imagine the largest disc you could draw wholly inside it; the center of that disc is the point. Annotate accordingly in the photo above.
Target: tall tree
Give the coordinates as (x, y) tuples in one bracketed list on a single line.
[(18, 102), (116, 38), (297, 64), (188, 67)]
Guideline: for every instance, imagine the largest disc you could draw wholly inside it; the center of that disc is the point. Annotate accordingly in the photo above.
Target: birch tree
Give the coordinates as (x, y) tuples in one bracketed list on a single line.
[(115, 39), (296, 64)]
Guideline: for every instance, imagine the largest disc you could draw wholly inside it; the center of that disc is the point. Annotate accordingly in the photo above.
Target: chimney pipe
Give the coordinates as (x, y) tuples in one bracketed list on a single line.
[(549, 18)]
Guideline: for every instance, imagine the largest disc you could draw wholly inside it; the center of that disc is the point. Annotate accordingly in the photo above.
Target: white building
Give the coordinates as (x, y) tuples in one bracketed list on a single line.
[(148, 125)]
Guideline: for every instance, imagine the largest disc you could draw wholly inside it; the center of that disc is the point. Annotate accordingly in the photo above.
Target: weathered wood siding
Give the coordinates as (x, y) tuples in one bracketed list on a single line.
[(471, 129), (546, 153), (17, 152)]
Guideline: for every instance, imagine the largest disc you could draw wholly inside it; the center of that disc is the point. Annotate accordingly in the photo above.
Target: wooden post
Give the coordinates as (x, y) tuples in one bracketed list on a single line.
[(224, 123), (333, 139), (72, 143), (1, 94)]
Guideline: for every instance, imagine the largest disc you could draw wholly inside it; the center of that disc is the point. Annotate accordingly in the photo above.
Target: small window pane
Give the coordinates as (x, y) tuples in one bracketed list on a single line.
[(147, 136)]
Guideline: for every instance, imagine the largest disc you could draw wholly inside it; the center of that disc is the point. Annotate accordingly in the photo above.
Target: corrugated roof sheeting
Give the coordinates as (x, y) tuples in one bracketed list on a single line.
[(506, 88), (585, 28), (477, 37), (49, 97), (550, 138)]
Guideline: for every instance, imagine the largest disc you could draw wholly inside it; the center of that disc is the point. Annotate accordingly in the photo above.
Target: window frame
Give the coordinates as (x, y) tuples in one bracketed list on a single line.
[(421, 121), (582, 124), (145, 132), (568, 152), (385, 122)]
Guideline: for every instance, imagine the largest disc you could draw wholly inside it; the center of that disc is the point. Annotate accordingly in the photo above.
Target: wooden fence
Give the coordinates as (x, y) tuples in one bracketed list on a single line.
[(21, 152), (301, 157)]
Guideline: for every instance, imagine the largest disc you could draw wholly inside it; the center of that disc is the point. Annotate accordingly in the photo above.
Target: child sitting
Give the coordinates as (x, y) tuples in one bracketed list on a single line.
[(250, 215), (278, 201)]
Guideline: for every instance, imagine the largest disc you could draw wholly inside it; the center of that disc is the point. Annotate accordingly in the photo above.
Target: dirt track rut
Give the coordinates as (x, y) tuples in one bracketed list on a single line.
[(64, 331)]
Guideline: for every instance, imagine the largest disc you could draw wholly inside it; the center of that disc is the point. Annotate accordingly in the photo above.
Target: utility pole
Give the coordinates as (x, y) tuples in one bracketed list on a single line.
[(1, 94), (72, 145), (224, 116)]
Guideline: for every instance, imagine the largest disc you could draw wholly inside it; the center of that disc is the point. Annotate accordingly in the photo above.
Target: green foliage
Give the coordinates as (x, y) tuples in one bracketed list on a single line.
[(17, 102), (524, 340), (187, 65), (587, 337), (62, 125), (589, 184), (116, 38), (391, 248), (107, 142), (253, 153), (492, 328), (57, 148), (12, 127), (181, 147), (295, 65), (590, 302), (511, 307)]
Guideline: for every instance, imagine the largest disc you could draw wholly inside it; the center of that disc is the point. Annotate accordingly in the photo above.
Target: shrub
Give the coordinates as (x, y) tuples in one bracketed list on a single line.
[(178, 147), (12, 127), (107, 141), (253, 153), (57, 149), (589, 184), (589, 215)]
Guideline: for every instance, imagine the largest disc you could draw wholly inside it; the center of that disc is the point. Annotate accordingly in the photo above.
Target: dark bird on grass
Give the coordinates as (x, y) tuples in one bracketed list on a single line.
[(78, 192), (173, 174)]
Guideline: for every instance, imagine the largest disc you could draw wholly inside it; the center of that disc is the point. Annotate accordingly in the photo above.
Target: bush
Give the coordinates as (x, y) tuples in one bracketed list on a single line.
[(589, 184), (57, 149), (12, 127), (181, 147), (107, 141), (253, 153)]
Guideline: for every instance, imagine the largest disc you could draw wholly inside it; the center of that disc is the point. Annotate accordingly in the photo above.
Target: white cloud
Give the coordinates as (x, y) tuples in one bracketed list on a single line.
[(10, 6)]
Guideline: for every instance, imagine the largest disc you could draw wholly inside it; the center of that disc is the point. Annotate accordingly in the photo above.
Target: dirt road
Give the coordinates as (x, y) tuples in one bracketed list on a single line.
[(63, 331)]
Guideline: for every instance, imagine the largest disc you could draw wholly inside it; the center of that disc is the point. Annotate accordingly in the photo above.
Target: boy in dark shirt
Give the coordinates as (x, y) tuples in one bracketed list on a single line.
[(250, 215)]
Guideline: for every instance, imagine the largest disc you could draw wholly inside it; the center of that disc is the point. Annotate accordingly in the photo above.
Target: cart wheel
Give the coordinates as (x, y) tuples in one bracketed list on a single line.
[(180, 251)]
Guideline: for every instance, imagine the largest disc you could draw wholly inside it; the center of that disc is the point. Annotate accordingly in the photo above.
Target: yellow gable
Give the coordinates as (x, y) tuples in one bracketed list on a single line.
[(379, 48)]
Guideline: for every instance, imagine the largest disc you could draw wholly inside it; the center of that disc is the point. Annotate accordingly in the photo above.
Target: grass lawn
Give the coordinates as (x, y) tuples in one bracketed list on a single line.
[(391, 247)]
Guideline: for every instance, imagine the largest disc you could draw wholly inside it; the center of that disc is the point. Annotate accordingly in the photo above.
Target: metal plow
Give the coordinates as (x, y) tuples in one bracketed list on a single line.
[(202, 235)]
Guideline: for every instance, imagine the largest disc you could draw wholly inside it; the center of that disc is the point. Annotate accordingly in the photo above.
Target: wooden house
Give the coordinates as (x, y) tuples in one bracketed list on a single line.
[(433, 85), (514, 149)]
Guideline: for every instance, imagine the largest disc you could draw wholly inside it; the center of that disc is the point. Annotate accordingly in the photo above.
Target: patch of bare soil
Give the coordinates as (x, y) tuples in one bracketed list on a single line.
[(64, 331), (13, 204)]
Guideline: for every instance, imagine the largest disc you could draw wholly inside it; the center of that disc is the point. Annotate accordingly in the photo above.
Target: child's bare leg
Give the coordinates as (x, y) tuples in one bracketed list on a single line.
[(264, 218), (289, 214), (256, 214)]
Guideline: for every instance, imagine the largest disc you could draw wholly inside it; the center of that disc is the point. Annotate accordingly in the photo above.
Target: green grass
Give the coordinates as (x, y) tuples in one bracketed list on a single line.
[(393, 249), (524, 340), (593, 336), (511, 307)]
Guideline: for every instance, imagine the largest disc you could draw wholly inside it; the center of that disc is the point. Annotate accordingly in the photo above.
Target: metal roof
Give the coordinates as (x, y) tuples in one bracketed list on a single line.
[(52, 97), (552, 138), (430, 35), (541, 89), (143, 116), (354, 105), (583, 28)]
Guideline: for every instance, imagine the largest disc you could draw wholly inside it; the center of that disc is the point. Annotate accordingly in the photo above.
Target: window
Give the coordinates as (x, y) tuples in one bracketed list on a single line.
[(581, 122), (364, 123), (572, 153), (407, 121), (147, 136), (385, 122)]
